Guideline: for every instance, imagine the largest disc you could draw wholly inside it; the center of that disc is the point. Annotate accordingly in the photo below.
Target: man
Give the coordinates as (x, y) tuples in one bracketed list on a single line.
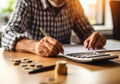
[(56, 17)]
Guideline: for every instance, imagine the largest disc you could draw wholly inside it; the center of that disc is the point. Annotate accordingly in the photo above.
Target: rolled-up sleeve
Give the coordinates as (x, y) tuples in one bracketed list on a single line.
[(16, 27)]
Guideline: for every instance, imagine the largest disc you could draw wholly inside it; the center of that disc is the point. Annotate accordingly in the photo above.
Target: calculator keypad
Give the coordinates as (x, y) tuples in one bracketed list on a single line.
[(87, 54)]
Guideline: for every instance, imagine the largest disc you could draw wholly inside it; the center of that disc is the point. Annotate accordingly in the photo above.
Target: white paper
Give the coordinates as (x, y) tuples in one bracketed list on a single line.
[(111, 45)]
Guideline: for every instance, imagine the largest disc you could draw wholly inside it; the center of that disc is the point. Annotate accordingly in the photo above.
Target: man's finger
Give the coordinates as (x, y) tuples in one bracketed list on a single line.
[(59, 46), (86, 43), (52, 48), (103, 41), (55, 43), (93, 39), (98, 42)]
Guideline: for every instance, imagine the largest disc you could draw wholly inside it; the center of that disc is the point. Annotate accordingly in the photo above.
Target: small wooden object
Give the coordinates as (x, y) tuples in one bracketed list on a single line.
[(61, 68)]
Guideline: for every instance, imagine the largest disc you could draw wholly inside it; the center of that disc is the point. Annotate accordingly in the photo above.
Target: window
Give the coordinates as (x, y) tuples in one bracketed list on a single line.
[(6, 7), (94, 10)]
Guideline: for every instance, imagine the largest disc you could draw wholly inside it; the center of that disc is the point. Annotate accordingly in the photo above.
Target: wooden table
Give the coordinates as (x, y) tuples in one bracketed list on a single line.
[(106, 72)]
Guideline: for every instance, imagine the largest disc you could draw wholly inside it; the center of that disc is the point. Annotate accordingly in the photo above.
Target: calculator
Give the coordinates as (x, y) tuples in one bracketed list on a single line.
[(90, 56)]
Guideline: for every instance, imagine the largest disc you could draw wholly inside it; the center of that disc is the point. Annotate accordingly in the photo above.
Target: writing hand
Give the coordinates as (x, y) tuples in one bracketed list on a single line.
[(48, 46)]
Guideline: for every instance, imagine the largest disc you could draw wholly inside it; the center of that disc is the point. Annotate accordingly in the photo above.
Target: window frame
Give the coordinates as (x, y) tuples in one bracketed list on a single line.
[(102, 12)]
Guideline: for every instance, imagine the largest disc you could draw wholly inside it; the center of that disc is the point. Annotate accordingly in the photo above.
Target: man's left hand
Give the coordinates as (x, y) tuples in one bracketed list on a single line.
[(95, 41)]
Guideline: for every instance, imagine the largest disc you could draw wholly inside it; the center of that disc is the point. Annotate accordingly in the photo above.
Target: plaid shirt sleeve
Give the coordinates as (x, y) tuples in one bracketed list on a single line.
[(16, 26), (82, 27), (30, 15)]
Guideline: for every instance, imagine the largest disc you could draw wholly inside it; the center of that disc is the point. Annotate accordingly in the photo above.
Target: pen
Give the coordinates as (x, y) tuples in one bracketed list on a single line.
[(44, 33), (42, 69)]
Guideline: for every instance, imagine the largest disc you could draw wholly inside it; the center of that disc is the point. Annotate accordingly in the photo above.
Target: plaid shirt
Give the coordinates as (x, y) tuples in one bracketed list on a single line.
[(31, 15)]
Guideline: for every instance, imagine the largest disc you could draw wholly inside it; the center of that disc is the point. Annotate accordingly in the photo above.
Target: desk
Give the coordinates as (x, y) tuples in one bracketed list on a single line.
[(107, 72)]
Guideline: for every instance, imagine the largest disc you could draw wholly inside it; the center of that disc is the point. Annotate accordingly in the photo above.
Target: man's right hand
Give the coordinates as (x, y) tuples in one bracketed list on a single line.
[(48, 46)]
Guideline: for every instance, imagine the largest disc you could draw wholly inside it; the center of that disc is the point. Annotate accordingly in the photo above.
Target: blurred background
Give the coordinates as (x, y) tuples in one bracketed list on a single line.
[(6, 8), (97, 11)]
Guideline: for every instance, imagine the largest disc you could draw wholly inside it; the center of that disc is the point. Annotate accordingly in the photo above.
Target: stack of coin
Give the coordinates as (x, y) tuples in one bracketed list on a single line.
[(61, 68), (16, 61)]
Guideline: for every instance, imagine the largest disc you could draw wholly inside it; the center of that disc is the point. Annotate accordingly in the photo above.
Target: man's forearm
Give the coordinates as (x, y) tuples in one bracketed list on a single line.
[(25, 45)]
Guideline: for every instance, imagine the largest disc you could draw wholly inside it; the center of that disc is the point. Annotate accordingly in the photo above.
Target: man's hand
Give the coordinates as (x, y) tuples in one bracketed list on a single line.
[(48, 46), (95, 41)]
